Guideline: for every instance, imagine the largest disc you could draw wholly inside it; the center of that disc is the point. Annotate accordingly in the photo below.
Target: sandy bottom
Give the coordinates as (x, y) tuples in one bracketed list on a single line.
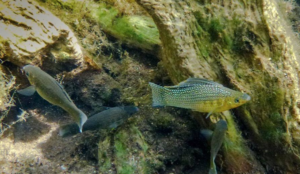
[(34, 146)]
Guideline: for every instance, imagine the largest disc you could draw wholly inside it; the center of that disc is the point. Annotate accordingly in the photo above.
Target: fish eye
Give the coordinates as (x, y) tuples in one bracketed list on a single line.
[(27, 74), (236, 100)]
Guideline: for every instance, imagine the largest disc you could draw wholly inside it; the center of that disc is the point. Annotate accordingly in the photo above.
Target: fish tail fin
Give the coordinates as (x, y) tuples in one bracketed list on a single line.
[(157, 95), (80, 119), (213, 168), (212, 171)]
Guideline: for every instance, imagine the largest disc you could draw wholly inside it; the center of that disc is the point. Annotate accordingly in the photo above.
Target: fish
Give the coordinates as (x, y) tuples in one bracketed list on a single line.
[(110, 118), (217, 140), (53, 92), (199, 95)]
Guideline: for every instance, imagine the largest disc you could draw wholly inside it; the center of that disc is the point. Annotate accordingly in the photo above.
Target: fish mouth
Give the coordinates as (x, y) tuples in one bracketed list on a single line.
[(23, 69), (25, 66), (246, 97)]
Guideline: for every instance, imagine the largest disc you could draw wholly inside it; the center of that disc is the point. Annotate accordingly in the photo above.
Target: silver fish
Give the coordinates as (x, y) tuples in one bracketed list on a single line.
[(49, 89)]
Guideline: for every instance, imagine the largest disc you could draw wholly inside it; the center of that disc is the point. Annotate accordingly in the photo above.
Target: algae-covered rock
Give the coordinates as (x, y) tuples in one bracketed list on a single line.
[(125, 20), (155, 142), (28, 31), (129, 153), (245, 45), (135, 30)]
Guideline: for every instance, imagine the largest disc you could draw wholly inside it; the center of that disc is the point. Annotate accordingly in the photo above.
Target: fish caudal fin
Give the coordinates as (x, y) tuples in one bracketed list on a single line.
[(157, 95), (213, 168), (80, 119), (212, 171)]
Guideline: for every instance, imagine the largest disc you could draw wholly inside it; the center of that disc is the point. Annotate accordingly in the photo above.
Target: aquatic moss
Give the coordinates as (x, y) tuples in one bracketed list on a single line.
[(130, 147), (104, 156), (235, 151), (250, 122), (162, 122), (273, 129), (215, 29), (137, 30), (227, 40), (133, 29), (105, 15), (129, 152)]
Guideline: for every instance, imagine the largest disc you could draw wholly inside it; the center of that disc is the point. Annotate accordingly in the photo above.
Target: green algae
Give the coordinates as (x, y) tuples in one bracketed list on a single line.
[(105, 15), (104, 155), (129, 152), (236, 153), (129, 148), (162, 122), (250, 122), (134, 30)]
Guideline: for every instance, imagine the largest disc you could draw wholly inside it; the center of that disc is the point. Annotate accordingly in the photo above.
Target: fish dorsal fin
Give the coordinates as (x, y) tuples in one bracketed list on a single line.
[(194, 81), (63, 91)]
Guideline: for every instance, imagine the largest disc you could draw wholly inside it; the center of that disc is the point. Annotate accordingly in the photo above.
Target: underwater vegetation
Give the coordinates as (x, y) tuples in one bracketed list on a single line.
[(105, 53)]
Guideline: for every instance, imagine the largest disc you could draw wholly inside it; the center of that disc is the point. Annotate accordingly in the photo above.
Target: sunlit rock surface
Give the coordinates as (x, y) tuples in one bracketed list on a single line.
[(28, 31)]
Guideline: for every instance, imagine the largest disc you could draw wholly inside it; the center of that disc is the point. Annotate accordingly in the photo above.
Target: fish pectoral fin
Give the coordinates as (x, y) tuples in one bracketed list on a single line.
[(113, 126), (210, 113), (29, 91), (206, 133)]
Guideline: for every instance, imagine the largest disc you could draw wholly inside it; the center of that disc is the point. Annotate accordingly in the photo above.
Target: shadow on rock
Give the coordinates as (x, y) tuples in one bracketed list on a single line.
[(30, 130), (77, 153)]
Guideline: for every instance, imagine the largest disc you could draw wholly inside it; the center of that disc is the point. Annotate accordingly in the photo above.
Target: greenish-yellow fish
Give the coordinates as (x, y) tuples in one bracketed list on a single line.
[(216, 142), (49, 89), (198, 94), (110, 118)]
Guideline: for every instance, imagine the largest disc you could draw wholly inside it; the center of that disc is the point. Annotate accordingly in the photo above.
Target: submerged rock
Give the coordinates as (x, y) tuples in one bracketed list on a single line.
[(28, 31)]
